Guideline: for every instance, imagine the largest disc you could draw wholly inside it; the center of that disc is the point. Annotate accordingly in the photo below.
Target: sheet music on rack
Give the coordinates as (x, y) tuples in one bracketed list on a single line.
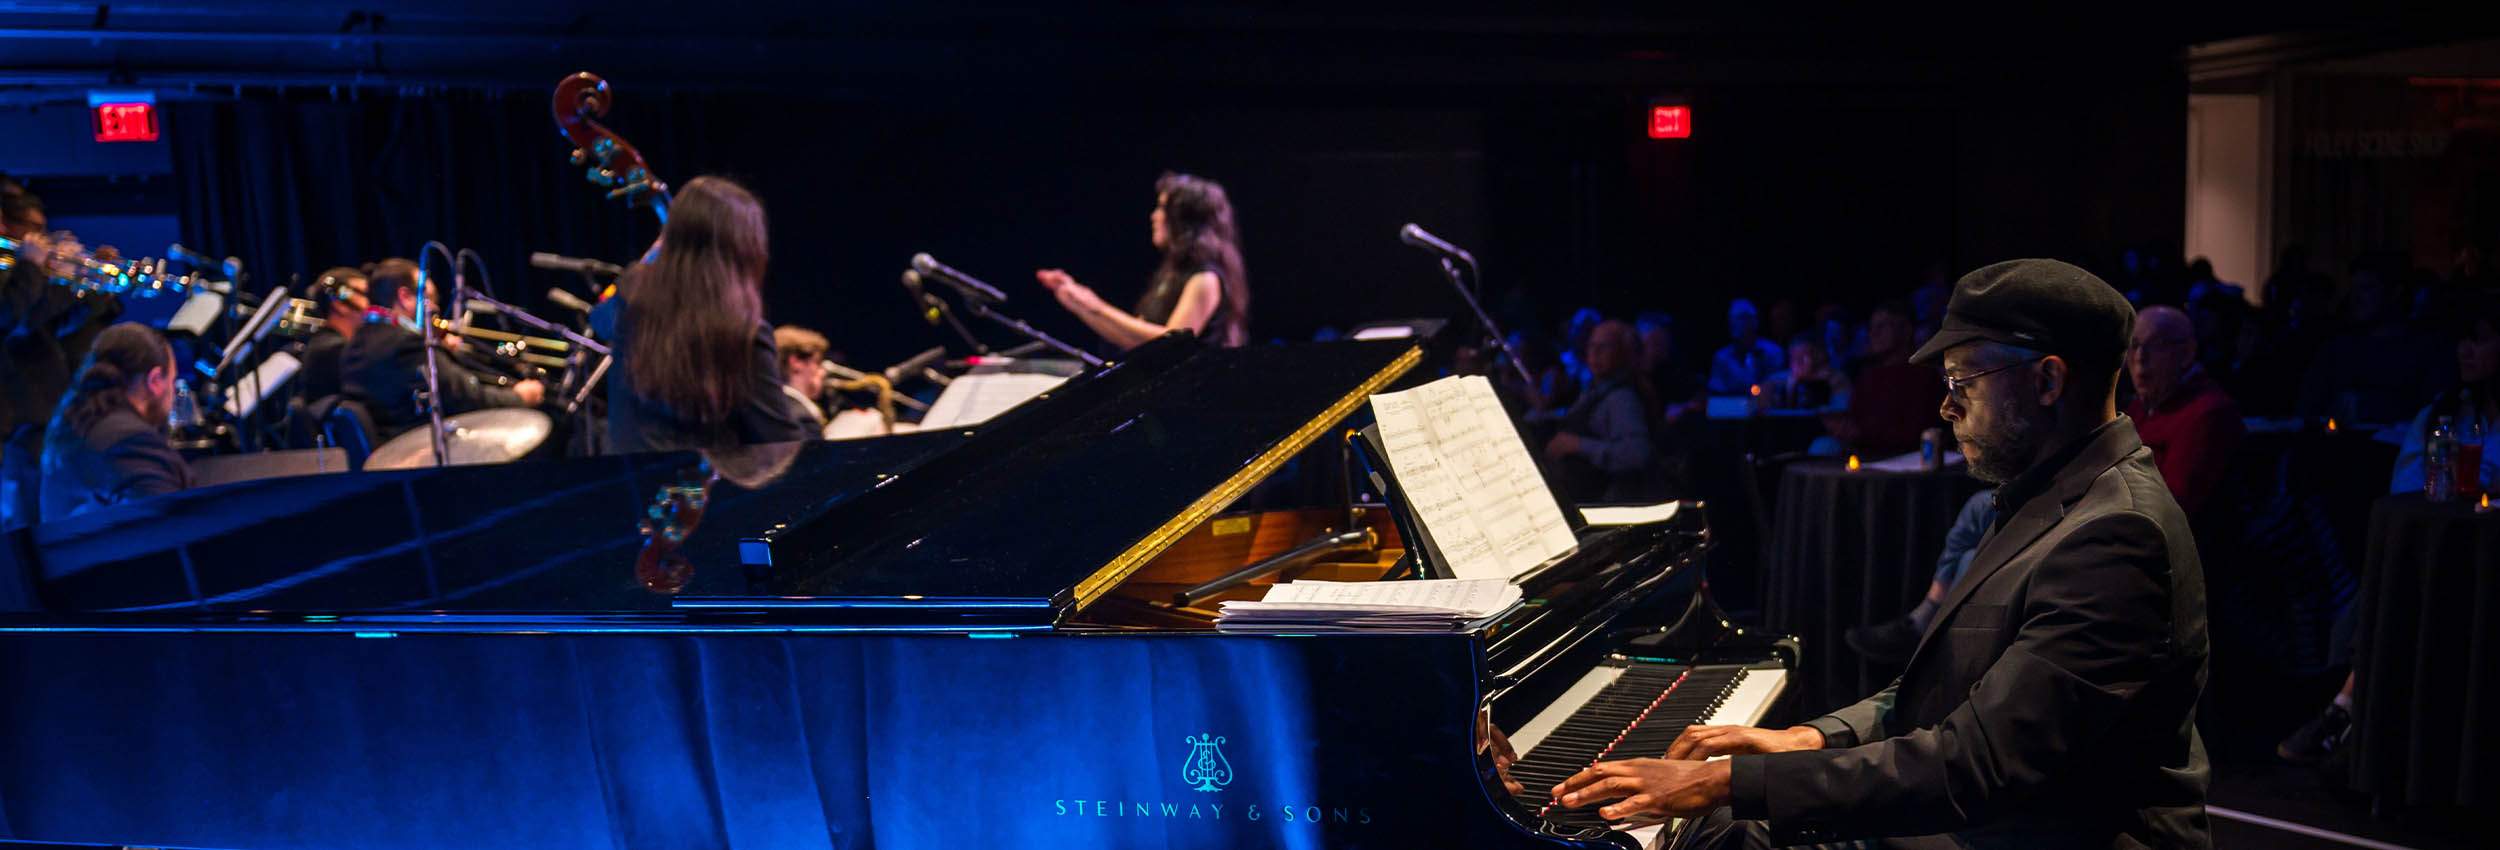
[(1469, 478), (1333, 606), (974, 399)]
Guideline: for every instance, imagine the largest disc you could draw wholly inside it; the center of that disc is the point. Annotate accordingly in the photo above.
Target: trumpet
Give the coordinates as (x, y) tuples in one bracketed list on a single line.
[(82, 272)]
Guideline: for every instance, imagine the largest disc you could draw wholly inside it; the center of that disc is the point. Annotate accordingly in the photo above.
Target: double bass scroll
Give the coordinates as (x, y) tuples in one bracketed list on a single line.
[(613, 163)]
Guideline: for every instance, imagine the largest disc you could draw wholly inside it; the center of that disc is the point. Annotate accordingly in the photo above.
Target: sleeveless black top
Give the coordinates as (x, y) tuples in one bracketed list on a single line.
[(1165, 295)]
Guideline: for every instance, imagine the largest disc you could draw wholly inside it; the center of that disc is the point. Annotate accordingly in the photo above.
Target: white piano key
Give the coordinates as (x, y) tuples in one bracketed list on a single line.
[(1578, 695), (1755, 691)]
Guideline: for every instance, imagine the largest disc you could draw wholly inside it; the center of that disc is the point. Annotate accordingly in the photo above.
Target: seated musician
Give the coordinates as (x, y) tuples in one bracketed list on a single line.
[(695, 362), (802, 354), (2052, 703), (45, 330), (1200, 286), (383, 363), (107, 442), (340, 293)]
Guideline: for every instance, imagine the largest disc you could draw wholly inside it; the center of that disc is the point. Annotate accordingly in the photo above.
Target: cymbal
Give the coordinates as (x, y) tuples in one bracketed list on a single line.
[(493, 435)]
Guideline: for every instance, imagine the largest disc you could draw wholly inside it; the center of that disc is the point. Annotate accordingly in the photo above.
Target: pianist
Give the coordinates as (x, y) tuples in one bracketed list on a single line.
[(106, 444), (2052, 701)]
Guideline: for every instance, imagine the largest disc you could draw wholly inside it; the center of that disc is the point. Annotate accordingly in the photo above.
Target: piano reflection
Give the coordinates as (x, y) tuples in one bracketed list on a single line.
[(1002, 634)]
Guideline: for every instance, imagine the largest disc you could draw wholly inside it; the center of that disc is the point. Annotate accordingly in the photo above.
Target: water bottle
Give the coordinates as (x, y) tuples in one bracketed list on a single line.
[(185, 412), (2439, 453)]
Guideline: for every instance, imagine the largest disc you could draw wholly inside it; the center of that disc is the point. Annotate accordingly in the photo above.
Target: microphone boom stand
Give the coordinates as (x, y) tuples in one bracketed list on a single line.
[(1450, 270), (425, 332), (1029, 332)]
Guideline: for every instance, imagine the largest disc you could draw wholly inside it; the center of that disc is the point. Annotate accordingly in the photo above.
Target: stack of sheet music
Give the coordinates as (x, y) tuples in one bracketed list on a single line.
[(1341, 606)]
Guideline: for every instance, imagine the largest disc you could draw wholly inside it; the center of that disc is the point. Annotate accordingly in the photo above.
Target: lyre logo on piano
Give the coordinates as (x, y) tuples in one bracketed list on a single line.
[(1206, 769)]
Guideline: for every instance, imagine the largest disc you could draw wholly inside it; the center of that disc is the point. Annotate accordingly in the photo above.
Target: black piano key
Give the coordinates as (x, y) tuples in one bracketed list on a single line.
[(1638, 716)]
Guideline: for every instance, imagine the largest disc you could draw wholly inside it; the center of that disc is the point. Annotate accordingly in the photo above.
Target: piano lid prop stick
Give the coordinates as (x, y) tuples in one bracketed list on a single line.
[(1361, 538)]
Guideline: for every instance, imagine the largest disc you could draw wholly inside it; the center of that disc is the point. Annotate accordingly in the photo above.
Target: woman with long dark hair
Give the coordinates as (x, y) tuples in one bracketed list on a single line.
[(106, 444), (694, 359), (1200, 285)]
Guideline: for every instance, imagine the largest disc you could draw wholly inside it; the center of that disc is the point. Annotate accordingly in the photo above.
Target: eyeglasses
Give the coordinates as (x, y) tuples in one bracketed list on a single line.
[(1954, 386)]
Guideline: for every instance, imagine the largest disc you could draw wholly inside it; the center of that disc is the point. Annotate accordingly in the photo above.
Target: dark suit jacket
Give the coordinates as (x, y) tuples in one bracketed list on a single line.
[(120, 459), (45, 330), (383, 366), (2052, 701), (322, 356)]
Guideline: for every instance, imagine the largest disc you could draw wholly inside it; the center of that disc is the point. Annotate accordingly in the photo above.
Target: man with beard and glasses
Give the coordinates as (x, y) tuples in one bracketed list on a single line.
[(2051, 702), (106, 445)]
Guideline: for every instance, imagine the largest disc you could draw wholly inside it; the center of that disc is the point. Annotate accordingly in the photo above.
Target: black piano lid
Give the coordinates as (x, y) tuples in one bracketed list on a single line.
[(556, 537), (1049, 507)]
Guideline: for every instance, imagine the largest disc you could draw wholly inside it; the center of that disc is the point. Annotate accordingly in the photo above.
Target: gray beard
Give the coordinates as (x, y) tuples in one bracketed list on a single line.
[(2000, 457)]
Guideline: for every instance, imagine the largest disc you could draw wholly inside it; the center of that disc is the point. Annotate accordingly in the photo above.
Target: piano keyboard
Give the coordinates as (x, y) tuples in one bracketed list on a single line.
[(1634, 710)]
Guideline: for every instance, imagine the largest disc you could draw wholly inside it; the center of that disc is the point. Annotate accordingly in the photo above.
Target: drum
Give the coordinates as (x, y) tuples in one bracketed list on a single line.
[(494, 435)]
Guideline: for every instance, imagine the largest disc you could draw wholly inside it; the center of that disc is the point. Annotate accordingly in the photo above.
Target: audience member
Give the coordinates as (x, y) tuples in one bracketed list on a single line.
[(1678, 383), (1843, 339), (2474, 402), (1892, 401), (1809, 382), (1748, 359), (2381, 368), (1602, 449), (1576, 342), (2276, 345), (2191, 425), (1779, 321)]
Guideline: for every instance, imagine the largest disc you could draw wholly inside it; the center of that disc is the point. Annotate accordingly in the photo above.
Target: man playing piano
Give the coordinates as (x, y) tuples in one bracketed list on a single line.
[(2051, 702)]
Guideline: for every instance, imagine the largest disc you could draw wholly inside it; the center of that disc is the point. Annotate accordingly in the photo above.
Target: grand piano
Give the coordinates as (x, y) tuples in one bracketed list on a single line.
[(999, 635)]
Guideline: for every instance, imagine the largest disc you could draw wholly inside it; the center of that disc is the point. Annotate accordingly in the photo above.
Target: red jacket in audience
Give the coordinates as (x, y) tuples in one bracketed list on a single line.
[(2192, 433)]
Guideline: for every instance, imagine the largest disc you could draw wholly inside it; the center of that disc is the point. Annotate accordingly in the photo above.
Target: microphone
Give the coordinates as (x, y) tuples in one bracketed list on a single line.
[(1420, 238), (474, 305), (912, 367), (567, 300), (233, 267), (563, 263), (920, 297), (971, 287)]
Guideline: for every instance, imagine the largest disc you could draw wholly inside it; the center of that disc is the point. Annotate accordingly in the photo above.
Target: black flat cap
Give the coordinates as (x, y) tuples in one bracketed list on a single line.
[(2043, 305)]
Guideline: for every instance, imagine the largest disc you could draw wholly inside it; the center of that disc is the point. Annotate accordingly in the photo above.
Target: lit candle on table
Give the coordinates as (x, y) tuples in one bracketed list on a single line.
[(1853, 466)]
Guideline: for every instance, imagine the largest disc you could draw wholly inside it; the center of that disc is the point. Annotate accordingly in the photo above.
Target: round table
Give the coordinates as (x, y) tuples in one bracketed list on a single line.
[(2426, 698), (1848, 549)]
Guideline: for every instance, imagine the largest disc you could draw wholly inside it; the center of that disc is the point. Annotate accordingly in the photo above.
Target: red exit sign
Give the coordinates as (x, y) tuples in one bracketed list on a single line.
[(1670, 122), (125, 122)]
